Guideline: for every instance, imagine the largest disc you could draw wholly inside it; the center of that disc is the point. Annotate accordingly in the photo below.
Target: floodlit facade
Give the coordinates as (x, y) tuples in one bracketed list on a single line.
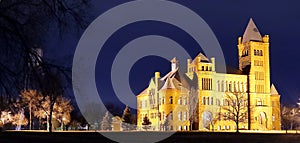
[(196, 100)]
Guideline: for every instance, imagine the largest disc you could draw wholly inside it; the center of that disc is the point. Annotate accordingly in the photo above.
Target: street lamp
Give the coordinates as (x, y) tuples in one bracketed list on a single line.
[(62, 123)]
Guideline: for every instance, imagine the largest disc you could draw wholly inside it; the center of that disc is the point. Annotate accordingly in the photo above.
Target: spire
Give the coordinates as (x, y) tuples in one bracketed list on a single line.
[(273, 90), (251, 32)]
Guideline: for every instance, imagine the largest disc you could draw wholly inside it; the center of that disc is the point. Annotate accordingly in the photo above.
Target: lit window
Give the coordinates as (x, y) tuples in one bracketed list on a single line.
[(171, 115), (184, 101), (218, 102), (179, 128), (179, 116), (259, 102), (180, 100), (184, 116)]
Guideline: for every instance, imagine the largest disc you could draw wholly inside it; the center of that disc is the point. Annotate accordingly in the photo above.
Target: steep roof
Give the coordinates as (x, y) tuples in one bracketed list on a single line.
[(273, 90), (203, 58), (251, 33)]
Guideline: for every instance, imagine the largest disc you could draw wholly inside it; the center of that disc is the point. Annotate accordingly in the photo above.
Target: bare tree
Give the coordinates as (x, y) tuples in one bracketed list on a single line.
[(61, 111), (235, 108), (23, 26), (31, 99), (288, 115), (193, 106)]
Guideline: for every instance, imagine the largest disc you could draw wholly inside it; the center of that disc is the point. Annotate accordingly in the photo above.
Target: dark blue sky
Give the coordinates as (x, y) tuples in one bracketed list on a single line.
[(228, 20)]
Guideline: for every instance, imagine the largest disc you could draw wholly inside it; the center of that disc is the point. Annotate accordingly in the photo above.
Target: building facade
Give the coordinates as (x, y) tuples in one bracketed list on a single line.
[(201, 99)]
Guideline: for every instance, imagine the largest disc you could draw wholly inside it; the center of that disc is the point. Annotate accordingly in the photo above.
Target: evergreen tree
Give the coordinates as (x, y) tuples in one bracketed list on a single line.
[(146, 123), (127, 120), (106, 122)]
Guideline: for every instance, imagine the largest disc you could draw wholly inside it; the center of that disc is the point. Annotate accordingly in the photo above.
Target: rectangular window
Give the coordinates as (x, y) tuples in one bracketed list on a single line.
[(211, 101), (179, 116)]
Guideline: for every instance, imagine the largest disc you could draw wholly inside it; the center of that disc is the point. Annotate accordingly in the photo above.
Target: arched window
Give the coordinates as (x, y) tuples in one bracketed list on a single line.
[(226, 89), (171, 115), (204, 101), (222, 86), (163, 100), (218, 85), (230, 86), (171, 100), (207, 100), (211, 101)]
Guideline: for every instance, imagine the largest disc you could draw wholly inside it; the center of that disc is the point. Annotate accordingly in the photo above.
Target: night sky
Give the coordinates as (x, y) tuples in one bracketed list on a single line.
[(228, 20)]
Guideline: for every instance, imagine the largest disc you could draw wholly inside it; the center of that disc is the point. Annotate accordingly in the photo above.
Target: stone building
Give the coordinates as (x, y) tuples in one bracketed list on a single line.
[(196, 100)]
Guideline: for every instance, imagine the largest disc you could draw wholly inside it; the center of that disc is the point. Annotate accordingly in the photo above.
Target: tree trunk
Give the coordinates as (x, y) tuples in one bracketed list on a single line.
[(30, 117), (62, 125), (237, 127), (47, 122), (50, 116)]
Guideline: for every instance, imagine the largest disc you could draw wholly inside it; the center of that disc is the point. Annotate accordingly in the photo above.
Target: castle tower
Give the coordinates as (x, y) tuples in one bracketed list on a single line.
[(253, 50)]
